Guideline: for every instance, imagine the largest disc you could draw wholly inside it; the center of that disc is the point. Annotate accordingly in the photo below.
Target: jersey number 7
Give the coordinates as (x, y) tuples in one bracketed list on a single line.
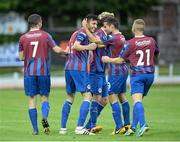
[(35, 44)]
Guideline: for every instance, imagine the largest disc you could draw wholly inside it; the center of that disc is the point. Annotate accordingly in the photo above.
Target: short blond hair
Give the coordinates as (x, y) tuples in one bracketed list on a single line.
[(105, 14), (139, 25)]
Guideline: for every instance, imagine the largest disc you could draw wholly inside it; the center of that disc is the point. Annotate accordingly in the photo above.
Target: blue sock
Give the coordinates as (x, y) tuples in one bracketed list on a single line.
[(100, 108), (84, 109), (126, 110), (93, 113), (88, 124), (116, 112), (33, 118), (140, 113), (45, 109), (134, 119), (65, 113)]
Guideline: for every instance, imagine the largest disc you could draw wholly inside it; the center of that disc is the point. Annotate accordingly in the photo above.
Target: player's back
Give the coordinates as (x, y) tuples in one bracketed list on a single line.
[(142, 54), (35, 45)]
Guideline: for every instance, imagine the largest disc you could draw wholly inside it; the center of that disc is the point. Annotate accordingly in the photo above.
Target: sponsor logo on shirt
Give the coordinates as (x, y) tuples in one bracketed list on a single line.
[(143, 43)]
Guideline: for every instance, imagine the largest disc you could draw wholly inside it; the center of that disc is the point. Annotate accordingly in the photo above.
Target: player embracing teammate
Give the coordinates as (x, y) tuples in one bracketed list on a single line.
[(77, 77), (141, 52), (113, 43), (89, 50)]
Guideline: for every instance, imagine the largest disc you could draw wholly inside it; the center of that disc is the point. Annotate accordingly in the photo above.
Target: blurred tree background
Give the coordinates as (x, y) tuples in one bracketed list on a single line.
[(71, 9), (66, 12), (62, 17)]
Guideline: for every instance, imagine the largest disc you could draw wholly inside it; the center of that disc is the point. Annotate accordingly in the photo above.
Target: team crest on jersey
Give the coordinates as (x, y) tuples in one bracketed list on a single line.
[(100, 90), (109, 85), (88, 86)]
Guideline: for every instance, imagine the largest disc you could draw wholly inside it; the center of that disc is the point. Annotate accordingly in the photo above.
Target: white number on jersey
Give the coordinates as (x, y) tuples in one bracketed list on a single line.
[(141, 53), (35, 44)]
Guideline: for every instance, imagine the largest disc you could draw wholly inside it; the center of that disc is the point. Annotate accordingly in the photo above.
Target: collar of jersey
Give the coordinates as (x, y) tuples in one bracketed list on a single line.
[(140, 36)]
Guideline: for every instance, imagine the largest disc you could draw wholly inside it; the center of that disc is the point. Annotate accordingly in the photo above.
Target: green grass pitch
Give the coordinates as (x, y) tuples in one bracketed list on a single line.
[(162, 108)]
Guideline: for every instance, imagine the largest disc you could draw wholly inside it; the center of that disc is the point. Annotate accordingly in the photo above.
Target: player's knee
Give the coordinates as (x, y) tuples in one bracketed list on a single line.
[(32, 102), (70, 98), (112, 98), (44, 98), (104, 101), (137, 97), (122, 98), (87, 96)]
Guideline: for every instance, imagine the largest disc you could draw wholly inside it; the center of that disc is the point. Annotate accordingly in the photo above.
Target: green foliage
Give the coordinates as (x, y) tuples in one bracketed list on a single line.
[(81, 7), (8, 5), (9, 38), (66, 12)]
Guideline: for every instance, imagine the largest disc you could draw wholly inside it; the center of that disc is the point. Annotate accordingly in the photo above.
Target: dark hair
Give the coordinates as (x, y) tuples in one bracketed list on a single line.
[(33, 20), (111, 20), (101, 21), (91, 17)]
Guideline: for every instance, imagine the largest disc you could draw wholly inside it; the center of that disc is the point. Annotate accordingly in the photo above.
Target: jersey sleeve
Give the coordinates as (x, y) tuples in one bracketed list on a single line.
[(107, 40), (51, 41), (156, 53), (81, 37), (126, 51), (20, 45)]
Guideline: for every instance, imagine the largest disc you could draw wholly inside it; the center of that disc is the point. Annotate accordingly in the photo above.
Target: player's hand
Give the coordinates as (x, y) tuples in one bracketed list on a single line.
[(84, 23), (92, 46), (98, 37), (105, 59), (67, 50)]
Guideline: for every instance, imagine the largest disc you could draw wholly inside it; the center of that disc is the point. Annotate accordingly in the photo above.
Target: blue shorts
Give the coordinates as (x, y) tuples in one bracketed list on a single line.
[(77, 81), (98, 84), (117, 84), (141, 83), (34, 85)]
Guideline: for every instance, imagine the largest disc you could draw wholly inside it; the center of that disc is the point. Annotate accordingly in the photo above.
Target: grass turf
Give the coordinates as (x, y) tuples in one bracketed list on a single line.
[(162, 107)]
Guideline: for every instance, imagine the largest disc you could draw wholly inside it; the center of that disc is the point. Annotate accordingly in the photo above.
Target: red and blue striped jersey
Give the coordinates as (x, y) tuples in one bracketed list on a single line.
[(97, 65), (77, 60), (140, 51), (35, 45), (115, 43)]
